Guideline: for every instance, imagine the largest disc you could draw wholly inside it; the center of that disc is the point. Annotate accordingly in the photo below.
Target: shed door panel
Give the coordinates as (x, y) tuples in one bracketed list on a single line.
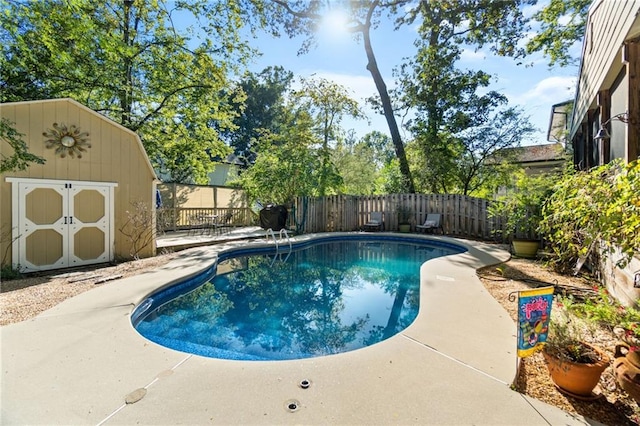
[(63, 225), (43, 226), (89, 227)]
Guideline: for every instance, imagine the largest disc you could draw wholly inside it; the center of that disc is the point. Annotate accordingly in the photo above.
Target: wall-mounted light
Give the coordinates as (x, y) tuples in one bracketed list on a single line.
[(603, 133)]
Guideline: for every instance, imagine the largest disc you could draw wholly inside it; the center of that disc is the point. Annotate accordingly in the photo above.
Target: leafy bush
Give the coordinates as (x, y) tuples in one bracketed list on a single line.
[(598, 207), (521, 207), (404, 214), (607, 312), (567, 333), (7, 272)]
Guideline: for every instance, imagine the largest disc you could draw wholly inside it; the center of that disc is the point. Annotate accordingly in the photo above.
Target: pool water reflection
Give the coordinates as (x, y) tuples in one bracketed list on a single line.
[(326, 298)]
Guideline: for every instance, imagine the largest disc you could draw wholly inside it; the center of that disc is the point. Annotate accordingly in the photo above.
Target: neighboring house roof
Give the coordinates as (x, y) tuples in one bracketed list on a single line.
[(229, 159), (538, 153), (233, 159), (536, 158)]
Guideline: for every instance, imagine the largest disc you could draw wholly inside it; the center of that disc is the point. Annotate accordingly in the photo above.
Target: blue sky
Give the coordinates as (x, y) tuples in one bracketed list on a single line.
[(341, 59)]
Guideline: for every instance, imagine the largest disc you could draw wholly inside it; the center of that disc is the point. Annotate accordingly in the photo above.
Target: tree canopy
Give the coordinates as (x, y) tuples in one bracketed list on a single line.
[(260, 110), (175, 73), (562, 24), (131, 61)]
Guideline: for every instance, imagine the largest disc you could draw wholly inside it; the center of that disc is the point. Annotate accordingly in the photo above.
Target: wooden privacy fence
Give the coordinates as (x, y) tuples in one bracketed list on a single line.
[(461, 215)]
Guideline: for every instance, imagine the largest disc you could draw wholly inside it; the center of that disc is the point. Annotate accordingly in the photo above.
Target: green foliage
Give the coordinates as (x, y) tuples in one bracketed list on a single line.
[(21, 158), (125, 59), (357, 166), (287, 166), (522, 206), (456, 127), (261, 110), (601, 207), (562, 25), (391, 180), (606, 311), (567, 332), (7, 272), (404, 213), (302, 18), (328, 103)]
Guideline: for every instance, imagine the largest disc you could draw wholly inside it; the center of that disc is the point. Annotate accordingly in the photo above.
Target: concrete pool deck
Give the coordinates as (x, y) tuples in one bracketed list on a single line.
[(82, 362)]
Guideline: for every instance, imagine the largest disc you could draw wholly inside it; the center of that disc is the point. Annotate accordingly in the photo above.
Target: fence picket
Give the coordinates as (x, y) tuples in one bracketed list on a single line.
[(461, 215)]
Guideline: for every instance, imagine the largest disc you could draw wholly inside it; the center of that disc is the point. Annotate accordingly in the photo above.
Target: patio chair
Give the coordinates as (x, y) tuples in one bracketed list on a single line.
[(431, 223), (375, 222), (224, 223), (196, 224)]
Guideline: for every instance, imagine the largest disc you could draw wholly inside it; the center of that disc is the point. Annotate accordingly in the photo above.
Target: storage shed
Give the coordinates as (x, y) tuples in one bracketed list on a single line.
[(69, 211)]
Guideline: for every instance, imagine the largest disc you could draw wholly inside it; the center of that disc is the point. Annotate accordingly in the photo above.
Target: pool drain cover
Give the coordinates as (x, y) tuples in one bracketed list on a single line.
[(304, 384), (292, 405)]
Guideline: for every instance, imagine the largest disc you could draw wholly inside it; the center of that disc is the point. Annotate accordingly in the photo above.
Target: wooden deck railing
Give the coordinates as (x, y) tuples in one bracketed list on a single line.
[(180, 218)]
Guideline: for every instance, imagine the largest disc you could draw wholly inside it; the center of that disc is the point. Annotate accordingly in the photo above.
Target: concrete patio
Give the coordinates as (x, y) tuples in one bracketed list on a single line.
[(83, 363)]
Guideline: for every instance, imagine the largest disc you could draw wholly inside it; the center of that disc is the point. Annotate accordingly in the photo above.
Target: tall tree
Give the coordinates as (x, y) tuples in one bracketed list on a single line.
[(485, 145), (562, 24), (305, 16), (130, 61), (446, 99), (287, 164), (261, 110), (328, 103)]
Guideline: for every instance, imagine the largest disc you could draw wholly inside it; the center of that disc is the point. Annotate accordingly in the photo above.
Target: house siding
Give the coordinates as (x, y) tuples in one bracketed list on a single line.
[(609, 24)]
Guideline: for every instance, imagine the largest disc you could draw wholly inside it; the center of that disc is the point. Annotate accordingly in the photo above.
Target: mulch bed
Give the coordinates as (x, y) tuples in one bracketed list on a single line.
[(614, 407)]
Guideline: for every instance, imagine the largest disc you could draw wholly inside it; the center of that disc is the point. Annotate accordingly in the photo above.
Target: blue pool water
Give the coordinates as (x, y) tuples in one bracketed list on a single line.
[(321, 298)]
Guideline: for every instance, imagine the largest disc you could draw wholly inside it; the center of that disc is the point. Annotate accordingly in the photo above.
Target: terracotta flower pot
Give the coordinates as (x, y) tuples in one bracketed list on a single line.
[(624, 350), (577, 379), (628, 377)]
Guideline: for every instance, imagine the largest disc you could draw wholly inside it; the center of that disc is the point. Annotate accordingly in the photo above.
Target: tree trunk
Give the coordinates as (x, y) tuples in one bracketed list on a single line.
[(372, 66)]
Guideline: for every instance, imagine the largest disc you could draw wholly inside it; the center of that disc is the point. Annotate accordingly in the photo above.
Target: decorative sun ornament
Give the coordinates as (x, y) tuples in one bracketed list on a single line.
[(67, 140)]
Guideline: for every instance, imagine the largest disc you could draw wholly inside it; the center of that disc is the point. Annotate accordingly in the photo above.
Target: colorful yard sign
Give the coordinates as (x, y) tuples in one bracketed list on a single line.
[(534, 312)]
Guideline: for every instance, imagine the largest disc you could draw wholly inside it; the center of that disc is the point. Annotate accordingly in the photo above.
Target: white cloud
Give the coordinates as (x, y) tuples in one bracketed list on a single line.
[(564, 20), (359, 87), (549, 91), (537, 101), (530, 10), (469, 55)]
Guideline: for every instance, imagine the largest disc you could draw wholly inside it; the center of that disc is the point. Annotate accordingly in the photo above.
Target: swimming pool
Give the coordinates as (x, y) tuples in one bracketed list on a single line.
[(325, 296)]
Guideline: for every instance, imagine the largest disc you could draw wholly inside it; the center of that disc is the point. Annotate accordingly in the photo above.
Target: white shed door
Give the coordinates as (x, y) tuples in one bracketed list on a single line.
[(61, 224)]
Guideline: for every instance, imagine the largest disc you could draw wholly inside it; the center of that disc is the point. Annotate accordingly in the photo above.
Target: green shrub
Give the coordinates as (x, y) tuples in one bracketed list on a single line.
[(607, 312), (598, 207), (521, 208), (7, 272)]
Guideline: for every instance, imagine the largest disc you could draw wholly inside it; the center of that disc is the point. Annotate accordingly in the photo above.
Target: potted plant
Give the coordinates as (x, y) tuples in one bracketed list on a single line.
[(626, 364), (574, 365), (404, 217), (521, 211)]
